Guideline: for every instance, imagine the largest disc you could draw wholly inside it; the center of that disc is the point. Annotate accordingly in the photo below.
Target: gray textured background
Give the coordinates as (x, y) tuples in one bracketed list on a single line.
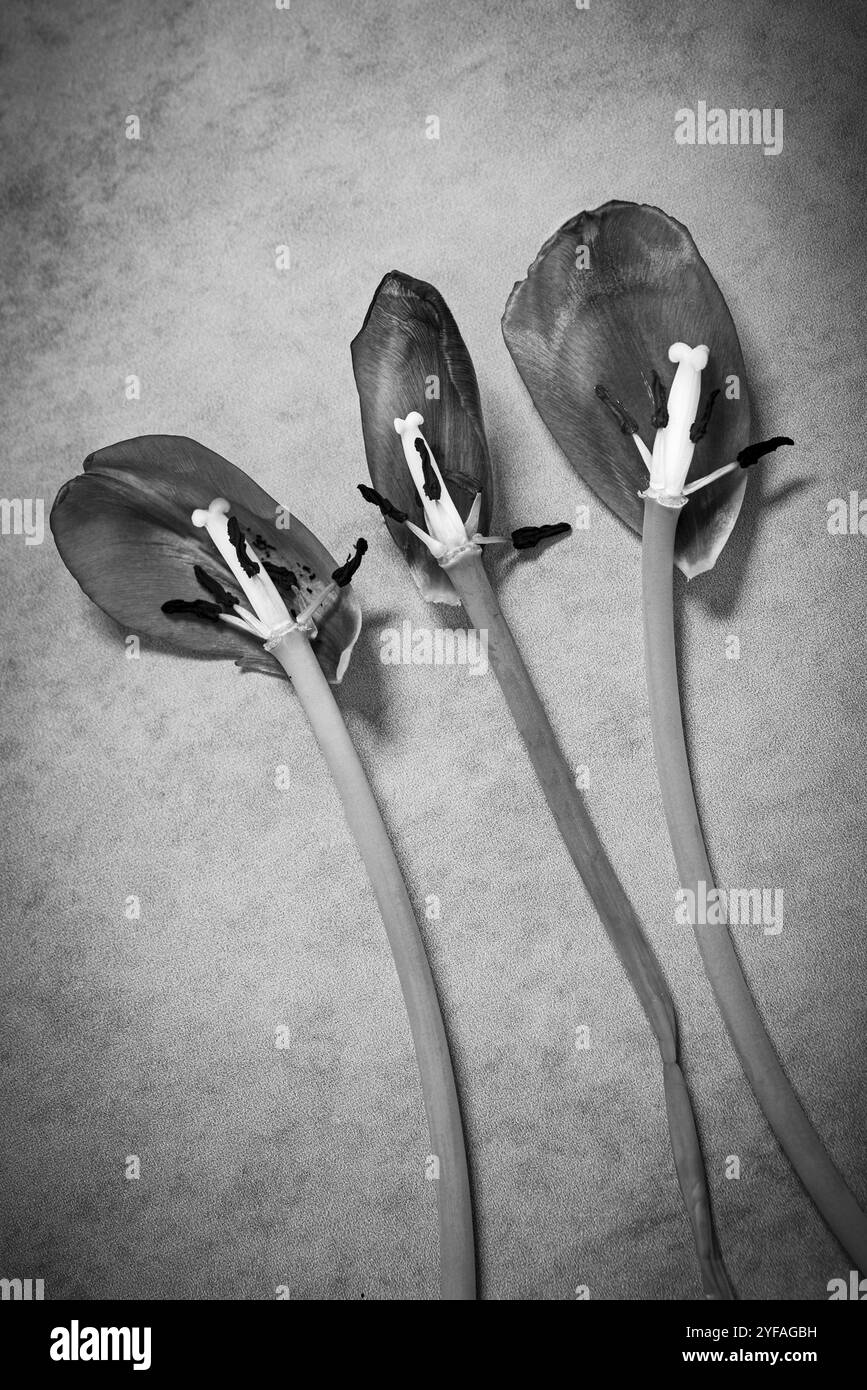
[(155, 777)]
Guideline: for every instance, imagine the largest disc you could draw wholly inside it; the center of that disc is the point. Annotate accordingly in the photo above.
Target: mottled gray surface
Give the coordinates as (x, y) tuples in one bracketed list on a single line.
[(155, 777)]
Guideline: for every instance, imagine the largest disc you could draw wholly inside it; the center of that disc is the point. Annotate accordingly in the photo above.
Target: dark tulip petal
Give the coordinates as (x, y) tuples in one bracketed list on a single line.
[(570, 329), (408, 346), (131, 563), (123, 528)]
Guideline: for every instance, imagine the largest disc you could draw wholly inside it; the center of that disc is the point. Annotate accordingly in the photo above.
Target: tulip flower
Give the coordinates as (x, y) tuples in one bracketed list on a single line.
[(178, 544), (620, 330), (429, 464)]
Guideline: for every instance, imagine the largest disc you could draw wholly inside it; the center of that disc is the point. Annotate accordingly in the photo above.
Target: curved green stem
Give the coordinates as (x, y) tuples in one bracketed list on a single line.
[(615, 911), (761, 1065), (457, 1251)]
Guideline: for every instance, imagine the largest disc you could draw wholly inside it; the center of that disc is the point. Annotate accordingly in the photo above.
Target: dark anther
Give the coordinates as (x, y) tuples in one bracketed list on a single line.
[(525, 537), (344, 573), (618, 410), (659, 418), (429, 477), (371, 495), (753, 452), (283, 578), (236, 536), (225, 600), (699, 429), (198, 607)]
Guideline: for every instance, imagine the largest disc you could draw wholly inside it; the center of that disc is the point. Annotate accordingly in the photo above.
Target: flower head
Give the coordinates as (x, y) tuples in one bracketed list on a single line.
[(434, 489), (608, 300), (176, 543), (679, 428), (447, 536)]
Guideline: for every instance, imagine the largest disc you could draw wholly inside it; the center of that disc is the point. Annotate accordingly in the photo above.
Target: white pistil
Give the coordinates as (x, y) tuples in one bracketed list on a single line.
[(447, 536), (673, 449), (270, 618)]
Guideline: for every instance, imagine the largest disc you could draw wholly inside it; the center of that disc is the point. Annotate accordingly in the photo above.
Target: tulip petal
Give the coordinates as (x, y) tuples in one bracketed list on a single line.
[(602, 303), (409, 349), (123, 528)]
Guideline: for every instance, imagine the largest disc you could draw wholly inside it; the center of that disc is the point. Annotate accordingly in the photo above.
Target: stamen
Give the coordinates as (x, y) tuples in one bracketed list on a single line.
[(304, 618), (431, 481), (236, 536), (646, 455), (387, 508), (197, 607), (471, 525), (659, 418), (525, 537), (437, 548), (245, 621), (698, 429), (446, 534), (269, 612), (281, 576), (753, 452), (343, 574), (618, 410), (226, 600), (708, 478), (745, 459)]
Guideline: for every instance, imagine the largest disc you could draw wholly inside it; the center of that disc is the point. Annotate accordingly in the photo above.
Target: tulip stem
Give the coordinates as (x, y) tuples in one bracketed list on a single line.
[(761, 1066), (615, 911), (457, 1251)]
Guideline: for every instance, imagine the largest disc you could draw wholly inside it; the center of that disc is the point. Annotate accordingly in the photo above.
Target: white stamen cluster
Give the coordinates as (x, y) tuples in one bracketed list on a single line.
[(673, 448), (270, 619), (447, 536)]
